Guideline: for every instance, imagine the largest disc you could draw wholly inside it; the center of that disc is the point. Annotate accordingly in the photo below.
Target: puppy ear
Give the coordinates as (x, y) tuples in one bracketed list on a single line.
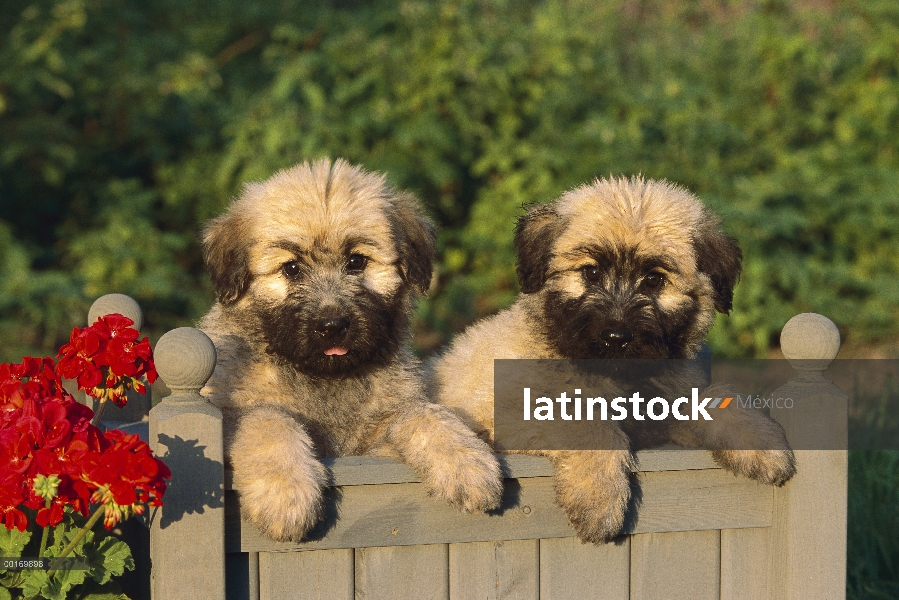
[(535, 234), (227, 258), (719, 257), (416, 239)]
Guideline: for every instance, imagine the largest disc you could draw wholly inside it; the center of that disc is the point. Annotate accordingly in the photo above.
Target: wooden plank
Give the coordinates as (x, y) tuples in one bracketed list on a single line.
[(681, 565), (701, 499), (674, 460), (420, 572), (253, 575), (508, 570), (808, 554), (571, 569), (324, 575), (369, 470), (403, 514), (745, 572), (187, 534)]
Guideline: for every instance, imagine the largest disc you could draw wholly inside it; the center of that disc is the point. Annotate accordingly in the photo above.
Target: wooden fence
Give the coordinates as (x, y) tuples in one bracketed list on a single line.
[(698, 533)]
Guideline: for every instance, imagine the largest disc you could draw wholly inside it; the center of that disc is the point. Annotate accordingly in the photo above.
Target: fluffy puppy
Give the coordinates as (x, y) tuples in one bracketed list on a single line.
[(620, 268), (316, 270)]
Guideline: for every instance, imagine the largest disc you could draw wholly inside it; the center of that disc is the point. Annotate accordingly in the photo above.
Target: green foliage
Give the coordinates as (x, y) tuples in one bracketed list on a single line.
[(105, 555), (126, 126), (13, 542), (873, 543)]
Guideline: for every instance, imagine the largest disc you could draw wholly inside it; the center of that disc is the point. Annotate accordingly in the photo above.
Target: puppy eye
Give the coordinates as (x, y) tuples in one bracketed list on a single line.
[(356, 262), (653, 281), (291, 269), (592, 273)]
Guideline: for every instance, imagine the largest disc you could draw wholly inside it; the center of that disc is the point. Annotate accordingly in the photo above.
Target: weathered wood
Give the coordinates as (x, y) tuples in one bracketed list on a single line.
[(572, 569), (369, 470), (324, 575), (187, 541), (420, 572), (253, 575), (701, 499), (745, 569), (676, 566), (508, 570), (403, 514), (808, 536), (808, 558), (674, 460)]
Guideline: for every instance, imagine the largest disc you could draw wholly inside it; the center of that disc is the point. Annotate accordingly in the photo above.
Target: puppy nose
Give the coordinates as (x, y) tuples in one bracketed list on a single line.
[(617, 338), (331, 326)]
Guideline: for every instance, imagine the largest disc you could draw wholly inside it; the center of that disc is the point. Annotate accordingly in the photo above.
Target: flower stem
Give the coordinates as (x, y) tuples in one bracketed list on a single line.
[(96, 420), (87, 527), (46, 531)]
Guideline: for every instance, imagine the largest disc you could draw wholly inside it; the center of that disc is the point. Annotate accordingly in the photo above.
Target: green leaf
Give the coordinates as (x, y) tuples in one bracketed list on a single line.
[(12, 579), (109, 557), (5, 594), (52, 588), (34, 583), (13, 541)]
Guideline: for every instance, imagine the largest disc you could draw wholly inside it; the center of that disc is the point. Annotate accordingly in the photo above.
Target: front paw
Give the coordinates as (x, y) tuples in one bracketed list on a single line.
[(283, 510), (470, 480), (593, 489), (772, 467), (277, 474)]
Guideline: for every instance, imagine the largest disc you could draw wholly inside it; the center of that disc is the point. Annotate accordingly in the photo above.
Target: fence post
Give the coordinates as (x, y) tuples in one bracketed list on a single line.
[(809, 530), (187, 534), (138, 404)]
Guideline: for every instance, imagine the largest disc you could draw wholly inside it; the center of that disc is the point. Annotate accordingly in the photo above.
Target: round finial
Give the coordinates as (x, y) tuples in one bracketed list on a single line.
[(810, 341), (116, 303), (185, 359)]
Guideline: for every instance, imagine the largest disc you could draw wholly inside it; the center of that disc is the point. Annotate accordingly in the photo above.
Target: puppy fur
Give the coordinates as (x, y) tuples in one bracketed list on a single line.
[(316, 270), (620, 268)]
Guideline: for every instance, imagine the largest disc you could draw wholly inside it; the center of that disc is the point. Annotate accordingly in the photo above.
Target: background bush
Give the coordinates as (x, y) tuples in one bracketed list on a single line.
[(127, 124)]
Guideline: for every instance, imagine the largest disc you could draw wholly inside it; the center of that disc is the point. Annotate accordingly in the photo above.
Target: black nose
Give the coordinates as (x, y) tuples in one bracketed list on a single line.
[(617, 338), (331, 326)]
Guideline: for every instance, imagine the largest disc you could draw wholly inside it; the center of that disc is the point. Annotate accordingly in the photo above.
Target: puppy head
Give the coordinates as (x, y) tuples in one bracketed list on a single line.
[(626, 268), (322, 262)]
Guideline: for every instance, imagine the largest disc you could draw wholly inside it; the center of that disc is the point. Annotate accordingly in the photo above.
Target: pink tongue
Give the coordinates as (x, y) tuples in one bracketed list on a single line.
[(335, 351)]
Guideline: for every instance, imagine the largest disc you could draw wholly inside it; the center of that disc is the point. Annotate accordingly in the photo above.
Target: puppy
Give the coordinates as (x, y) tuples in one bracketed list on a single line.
[(316, 270), (620, 268)]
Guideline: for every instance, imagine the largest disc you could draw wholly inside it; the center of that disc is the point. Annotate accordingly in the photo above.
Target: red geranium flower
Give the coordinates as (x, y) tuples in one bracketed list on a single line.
[(11, 496), (51, 457), (107, 359)]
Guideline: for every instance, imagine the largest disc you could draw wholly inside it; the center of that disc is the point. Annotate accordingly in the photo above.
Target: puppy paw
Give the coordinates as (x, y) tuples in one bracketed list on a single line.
[(593, 490), (283, 510), (772, 467), (470, 480), (748, 442), (277, 474), (453, 463)]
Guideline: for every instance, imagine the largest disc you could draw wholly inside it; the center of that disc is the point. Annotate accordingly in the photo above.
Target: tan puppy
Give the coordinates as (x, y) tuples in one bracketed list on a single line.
[(316, 270), (621, 268)]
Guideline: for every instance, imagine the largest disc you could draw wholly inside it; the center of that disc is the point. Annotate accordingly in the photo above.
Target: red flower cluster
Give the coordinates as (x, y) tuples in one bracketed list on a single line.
[(127, 477), (50, 454), (107, 360)]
